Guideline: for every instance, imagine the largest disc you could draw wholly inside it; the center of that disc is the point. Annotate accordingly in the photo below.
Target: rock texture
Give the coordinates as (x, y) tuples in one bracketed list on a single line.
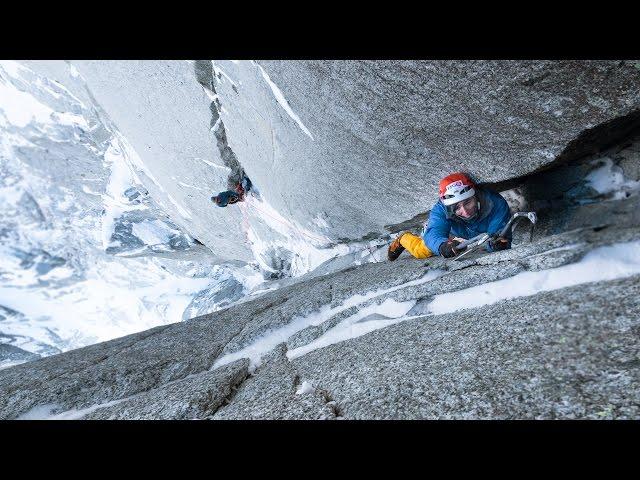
[(569, 353), (564, 354), (572, 352), (383, 132), (274, 392), (191, 398), (375, 136)]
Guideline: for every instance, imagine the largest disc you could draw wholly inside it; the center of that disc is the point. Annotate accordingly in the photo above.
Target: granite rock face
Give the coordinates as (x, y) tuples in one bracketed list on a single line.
[(275, 392), (554, 355), (567, 353), (375, 136), (365, 341), (194, 397)]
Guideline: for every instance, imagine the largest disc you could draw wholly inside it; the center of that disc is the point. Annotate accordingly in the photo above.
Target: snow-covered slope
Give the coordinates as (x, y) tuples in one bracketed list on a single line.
[(97, 243), (82, 239)]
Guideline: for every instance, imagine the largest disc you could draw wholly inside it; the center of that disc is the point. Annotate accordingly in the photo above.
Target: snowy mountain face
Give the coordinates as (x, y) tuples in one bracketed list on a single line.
[(88, 228), (294, 312), (86, 254)]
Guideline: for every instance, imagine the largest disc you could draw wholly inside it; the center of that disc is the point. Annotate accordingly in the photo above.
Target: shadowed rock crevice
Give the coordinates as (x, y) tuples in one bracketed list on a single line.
[(272, 392), (205, 77), (234, 387), (589, 142), (416, 223), (337, 410), (194, 397), (560, 186)]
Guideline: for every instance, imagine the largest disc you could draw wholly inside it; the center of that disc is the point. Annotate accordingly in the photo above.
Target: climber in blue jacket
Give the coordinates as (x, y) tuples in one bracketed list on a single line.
[(463, 211), (232, 196)]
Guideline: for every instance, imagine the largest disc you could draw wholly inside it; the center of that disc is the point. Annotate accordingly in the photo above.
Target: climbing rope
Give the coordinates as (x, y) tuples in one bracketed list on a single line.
[(250, 202), (287, 223), (245, 220), (372, 252)]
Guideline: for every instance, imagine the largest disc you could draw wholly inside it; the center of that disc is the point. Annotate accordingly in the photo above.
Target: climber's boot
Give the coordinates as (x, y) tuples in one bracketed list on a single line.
[(395, 249)]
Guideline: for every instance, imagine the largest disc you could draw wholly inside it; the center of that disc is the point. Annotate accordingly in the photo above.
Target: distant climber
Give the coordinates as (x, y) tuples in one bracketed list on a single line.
[(232, 196), (463, 211)]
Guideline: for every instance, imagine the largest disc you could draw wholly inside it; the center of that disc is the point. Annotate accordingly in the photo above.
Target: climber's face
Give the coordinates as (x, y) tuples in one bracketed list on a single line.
[(466, 208)]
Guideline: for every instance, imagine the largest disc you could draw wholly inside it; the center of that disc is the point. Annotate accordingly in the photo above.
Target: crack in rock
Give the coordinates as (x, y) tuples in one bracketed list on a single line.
[(205, 76)]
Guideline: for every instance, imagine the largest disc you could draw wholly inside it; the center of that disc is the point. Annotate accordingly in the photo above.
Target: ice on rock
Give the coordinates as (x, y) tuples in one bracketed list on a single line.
[(306, 387)]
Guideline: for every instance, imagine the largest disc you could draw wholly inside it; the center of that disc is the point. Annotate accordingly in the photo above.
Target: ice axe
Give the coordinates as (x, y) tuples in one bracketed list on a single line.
[(531, 216), (476, 242)]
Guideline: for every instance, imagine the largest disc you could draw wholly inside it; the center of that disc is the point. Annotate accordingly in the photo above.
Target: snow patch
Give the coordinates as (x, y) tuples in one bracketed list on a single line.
[(20, 108), (153, 232), (601, 264), (13, 68), (609, 179), (39, 412), (220, 73), (306, 387), (268, 341), (387, 313), (45, 412), (73, 71), (114, 199)]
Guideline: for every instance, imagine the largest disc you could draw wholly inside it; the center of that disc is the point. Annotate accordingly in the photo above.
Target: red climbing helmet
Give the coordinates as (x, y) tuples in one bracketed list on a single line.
[(456, 187)]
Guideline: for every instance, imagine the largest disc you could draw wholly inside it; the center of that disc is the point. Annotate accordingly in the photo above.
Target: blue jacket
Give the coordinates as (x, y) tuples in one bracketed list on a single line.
[(227, 197), (494, 214)]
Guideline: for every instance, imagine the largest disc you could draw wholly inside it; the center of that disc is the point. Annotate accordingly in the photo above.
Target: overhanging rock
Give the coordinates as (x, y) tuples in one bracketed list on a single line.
[(345, 148), (376, 136)]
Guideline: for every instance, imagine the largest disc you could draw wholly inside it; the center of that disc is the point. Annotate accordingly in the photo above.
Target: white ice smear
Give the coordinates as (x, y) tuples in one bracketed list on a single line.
[(39, 412), (45, 412), (219, 72), (211, 164), (74, 71), (190, 186), (609, 179), (79, 414), (268, 341), (601, 264), (306, 387), (385, 314), (283, 102), (571, 246), (153, 232)]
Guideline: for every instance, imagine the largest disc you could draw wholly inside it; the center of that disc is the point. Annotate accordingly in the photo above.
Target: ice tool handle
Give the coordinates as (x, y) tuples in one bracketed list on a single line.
[(531, 216), (478, 240)]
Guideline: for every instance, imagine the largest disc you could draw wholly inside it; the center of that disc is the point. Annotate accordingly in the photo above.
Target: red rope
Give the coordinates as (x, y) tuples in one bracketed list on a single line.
[(289, 224)]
